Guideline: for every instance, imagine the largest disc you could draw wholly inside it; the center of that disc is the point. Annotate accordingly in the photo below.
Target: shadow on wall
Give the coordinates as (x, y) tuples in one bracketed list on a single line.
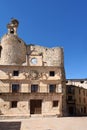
[(10, 125)]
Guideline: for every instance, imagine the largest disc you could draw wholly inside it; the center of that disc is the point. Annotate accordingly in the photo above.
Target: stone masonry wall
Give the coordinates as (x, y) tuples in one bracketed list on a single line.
[(51, 56), (23, 105), (13, 50)]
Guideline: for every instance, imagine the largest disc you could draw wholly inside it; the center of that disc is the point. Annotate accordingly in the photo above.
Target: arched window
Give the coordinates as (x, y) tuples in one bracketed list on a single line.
[(12, 31)]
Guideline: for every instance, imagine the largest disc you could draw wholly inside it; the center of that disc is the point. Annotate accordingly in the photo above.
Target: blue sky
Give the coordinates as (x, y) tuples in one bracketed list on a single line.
[(52, 23)]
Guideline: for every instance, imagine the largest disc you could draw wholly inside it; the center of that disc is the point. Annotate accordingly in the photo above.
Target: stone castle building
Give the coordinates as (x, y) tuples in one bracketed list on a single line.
[(32, 80), (32, 77)]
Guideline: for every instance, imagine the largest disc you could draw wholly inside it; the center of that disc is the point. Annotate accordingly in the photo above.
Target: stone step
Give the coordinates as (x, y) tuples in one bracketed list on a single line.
[(13, 117)]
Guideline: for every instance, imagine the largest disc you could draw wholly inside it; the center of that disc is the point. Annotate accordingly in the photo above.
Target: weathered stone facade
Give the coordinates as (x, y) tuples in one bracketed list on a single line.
[(32, 77), (76, 91)]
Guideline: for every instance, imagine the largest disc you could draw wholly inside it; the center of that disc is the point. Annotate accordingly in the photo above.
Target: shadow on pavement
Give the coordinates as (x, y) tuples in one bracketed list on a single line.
[(10, 125)]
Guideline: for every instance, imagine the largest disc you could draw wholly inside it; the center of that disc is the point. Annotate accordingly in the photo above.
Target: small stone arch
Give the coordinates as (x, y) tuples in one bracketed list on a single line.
[(12, 31)]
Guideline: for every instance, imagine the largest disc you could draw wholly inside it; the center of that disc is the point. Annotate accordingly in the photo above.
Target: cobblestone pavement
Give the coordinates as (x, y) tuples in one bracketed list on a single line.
[(65, 123)]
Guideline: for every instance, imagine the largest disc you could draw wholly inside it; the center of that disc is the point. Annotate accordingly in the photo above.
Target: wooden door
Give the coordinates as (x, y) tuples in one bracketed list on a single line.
[(35, 106)]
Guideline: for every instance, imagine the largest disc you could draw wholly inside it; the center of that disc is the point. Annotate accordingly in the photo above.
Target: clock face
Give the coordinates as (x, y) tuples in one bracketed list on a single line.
[(34, 60)]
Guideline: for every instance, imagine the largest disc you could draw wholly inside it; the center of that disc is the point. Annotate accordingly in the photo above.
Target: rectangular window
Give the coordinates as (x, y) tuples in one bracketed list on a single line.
[(15, 73), (13, 104), (15, 88), (81, 110), (52, 88), (84, 109), (84, 100), (71, 90), (52, 73), (70, 98), (34, 88), (55, 103)]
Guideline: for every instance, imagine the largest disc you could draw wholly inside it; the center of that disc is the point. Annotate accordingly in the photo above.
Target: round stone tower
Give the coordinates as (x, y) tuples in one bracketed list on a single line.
[(12, 48)]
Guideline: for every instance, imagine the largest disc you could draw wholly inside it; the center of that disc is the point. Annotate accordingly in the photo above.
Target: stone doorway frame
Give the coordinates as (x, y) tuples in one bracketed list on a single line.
[(36, 106)]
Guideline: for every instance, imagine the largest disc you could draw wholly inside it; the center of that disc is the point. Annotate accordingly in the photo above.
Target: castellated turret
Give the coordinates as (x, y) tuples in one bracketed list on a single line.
[(12, 48)]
